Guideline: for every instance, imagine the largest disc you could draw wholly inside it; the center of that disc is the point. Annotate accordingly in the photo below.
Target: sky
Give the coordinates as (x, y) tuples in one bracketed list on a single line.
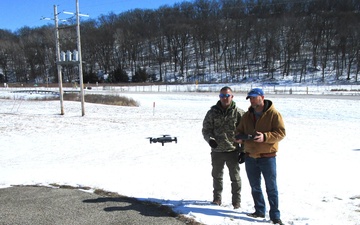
[(318, 161), (16, 14)]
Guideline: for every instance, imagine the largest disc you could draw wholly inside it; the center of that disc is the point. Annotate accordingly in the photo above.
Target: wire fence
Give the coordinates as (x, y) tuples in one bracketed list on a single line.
[(244, 88), (237, 88)]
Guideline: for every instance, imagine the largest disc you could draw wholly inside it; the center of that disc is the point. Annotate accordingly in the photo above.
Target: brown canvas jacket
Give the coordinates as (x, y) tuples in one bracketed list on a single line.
[(270, 124)]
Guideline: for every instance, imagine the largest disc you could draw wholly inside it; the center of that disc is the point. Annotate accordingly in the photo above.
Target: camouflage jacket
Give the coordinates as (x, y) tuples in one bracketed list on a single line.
[(220, 124)]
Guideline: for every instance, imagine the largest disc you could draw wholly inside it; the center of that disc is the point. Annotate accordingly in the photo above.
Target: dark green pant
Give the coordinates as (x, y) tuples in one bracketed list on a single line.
[(218, 161)]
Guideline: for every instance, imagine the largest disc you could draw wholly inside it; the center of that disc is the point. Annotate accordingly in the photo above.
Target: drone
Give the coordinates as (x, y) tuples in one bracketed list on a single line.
[(164, 139)]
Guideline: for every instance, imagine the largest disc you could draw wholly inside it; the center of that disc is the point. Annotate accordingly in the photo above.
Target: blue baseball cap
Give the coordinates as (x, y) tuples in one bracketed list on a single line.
[(255, 92)]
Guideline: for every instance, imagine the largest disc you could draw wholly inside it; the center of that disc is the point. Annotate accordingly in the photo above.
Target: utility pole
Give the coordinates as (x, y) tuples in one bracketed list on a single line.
[(59, 67), (82, 94), (61, 62), (80, 59)]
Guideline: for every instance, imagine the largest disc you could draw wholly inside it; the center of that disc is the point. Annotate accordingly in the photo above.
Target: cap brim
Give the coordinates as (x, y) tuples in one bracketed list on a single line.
[(251, 96)]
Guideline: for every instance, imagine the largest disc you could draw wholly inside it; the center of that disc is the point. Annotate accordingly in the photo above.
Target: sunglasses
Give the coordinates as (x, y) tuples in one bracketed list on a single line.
[(224, 95)]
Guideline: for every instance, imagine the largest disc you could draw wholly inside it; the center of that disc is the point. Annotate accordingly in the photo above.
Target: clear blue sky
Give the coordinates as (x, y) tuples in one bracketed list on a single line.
[(16, 14)]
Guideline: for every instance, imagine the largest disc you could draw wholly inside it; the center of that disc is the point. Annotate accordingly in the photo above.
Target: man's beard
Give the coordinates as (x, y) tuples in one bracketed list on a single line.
[(255, 106)]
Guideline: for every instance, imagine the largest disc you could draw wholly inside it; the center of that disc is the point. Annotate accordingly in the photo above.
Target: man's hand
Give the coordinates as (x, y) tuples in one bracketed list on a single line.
[(259, 137), (241, 158), (213, 143)]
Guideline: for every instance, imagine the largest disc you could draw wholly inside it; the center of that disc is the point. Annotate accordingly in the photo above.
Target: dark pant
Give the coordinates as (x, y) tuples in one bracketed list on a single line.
[(218, 160), (266, 167)]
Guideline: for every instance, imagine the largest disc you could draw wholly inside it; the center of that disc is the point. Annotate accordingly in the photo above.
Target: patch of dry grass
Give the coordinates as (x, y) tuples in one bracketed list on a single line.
[(90, 98), (102, 99)]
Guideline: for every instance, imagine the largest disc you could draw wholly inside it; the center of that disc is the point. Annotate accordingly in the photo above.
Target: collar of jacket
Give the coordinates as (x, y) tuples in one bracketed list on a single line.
[(219, 107)]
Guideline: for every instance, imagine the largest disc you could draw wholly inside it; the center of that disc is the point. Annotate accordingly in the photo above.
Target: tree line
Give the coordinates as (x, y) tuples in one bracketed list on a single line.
[(238, 39)]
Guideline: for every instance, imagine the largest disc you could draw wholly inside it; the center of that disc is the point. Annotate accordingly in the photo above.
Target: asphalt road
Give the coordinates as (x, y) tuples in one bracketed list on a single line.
[(64, 206)]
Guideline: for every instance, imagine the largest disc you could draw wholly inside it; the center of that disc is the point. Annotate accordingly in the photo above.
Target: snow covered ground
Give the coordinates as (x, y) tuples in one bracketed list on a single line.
[(318, 161)]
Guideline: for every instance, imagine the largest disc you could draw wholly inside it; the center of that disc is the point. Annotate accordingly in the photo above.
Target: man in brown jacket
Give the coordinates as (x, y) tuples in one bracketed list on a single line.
[(261, 128)]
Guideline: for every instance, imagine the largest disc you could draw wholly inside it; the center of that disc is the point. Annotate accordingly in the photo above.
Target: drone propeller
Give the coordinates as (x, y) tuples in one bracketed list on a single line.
[(150, 139)]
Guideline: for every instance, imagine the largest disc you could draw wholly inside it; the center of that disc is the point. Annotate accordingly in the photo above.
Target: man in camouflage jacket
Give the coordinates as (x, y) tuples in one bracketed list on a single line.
[(218, 130)]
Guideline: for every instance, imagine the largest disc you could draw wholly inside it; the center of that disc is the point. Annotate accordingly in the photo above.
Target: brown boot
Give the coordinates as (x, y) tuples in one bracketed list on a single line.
[(236, 205), (216, 201)]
